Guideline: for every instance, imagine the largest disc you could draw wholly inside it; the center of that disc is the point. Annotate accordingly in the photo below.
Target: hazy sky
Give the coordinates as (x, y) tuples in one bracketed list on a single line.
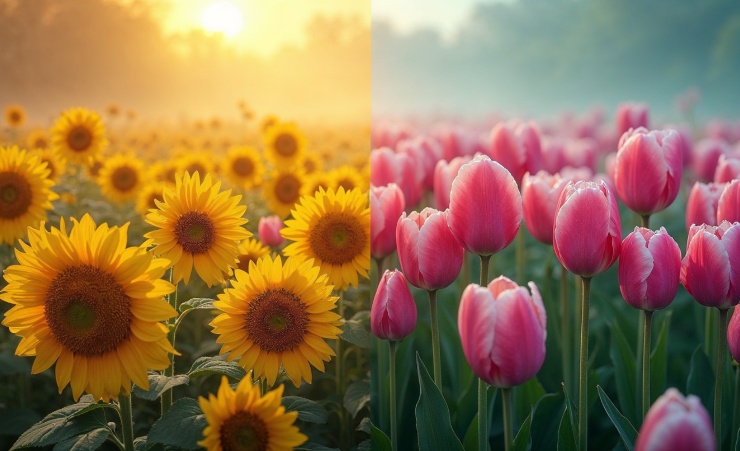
[(268, 24)]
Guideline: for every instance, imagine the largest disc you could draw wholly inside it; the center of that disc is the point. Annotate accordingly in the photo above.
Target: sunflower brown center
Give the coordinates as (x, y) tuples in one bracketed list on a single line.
[(87, 311), (244, 260), (192, 168), (277, 320), (15, 195), (40, 143), (337, 238), (286, 145), (124, 178), (346, 183), (288, 189), (243, 167), (79, 138), (244, 431), (195, 232), (309, 165), (14, 117)]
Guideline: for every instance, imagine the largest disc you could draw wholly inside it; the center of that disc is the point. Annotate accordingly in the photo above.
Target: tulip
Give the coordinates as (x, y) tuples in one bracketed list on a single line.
[(517, 148), (428, 253), (503, 330), (485, 207), (444, 174), (649, 272), (701, 207), (426, 152), (733, 335), (710, 272), (540, 195), (631, 115), (706, 155), (387, 166), (586, 239), (648, 170), (393, 313), (268, 230), (587, 234), (387, 203), (728, 169), (676, 423), (728, 206)]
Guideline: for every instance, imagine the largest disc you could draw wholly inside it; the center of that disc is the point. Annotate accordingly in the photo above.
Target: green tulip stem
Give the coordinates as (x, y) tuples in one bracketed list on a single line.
[(482, 386), (393, 400), (436, 358), (646, 362), (736, 407), (508, 429), (721, 357), (520, 248), (583, 367), (645, 221), (566, 349)]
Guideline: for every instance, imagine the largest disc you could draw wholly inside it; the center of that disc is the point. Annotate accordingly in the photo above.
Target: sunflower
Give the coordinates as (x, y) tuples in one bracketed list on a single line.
[(15, 116), (312, 163), (314, 182), (37, 139), (267, 122), (243, 167), (347, 177), (56, 166), (192, 162), (121, 177), (147, 196), (163, 171), (87, 302), (278, 314), (198, 226), (283, 189), (285, 144), (244, 420), (333, 228), (250, 250), (25, 193), (78, 135)]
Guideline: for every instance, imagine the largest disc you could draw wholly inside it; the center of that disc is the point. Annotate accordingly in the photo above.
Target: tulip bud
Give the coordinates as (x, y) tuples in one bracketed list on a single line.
[(649, 169), (676, 423), (517, 148), (705, 157), (387, 166), (728, 206), (587, 234), (503, 331), (426, 152), (485, 207), (649, 269), (444, 174), (701, 207), (540, 195), (631, 115), (386, 205), (393, 313), (733, 335), (727, 170), (429, 255), (268, 230), (710, 271)]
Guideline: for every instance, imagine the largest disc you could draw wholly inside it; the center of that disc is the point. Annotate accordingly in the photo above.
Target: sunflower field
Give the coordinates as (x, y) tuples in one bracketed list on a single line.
[(199, 286)]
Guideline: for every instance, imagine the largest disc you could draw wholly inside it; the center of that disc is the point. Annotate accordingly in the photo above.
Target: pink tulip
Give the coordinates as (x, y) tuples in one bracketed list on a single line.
[(649, 169), (705, 157), (728, 169), (503, 330), (268, 230), (387, 166), (701, 207), (393, 313), (587, 234), (426, 152), (675, 423), (632, 115), (733, 335), (386, 205), (455, 142), (444, 174), (429, 255), (517, 148), (581, 153), (540, 195), (710, 271), (728, 206), (485, 207), (649, 269)]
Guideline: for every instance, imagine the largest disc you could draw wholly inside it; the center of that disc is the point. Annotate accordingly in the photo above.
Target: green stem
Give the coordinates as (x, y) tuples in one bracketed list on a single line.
[(393, 401), (736, 408), (381, 362), (112, 437), (339, 377), (485, 261), (583, 367), (127, 422), (567, 347), (645, 221), (520, 248), (721, 357), (482, 416), (436, 358), (646, 363), (166, 399), (508, 431)]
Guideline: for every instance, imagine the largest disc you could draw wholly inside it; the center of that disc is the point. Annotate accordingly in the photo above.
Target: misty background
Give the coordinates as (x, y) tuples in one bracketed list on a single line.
[(540, 57), (58, 54)]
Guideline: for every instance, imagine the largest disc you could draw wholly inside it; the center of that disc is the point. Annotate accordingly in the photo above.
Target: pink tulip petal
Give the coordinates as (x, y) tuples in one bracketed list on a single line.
[(635, 265), (640, 174), (731, 241), (663, 281), (436, 242), (705, 270), (475, 320)]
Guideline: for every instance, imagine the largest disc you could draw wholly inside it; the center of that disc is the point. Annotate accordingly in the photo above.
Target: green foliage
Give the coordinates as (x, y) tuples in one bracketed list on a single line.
[(158, 384), (308, 411), (182, 426), (627, 432), (432, 416), (206, 366)]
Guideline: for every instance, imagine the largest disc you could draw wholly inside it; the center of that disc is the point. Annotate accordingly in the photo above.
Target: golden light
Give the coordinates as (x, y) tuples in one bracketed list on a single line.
[(223, 17)]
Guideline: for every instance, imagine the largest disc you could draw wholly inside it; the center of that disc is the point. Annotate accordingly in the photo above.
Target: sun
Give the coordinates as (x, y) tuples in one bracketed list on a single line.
[(223, 17)]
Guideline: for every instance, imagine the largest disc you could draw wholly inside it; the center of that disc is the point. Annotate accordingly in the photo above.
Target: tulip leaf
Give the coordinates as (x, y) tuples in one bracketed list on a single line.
[(549, 407), (737, 441), (432, 415), (566, 432), (659, 360), (624, 372), (378, 440), (523, 437), (701, 379), (627, 432)]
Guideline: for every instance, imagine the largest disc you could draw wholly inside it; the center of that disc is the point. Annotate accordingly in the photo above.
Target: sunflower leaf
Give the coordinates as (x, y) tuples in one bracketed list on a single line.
[(308, 411), (196, 303), (58, 426), (356, 397), (357, 333), (85, 441), (158, 384), (379, 441), (181, 426), (205, 366)]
